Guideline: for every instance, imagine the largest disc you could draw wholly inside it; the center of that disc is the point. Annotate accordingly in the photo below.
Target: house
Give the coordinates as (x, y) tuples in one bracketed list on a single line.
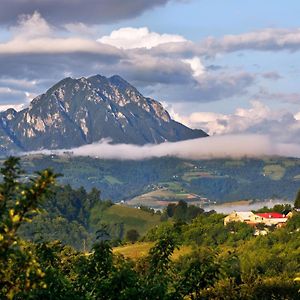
[(239, 216), (268, 219), (272, 218)]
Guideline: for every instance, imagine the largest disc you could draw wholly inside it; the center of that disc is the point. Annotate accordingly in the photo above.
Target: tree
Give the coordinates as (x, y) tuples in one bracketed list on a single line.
[(132, 235), (158, 275), (181, 211), (171, 209), (197, 271), (297, 201), (19, 200)]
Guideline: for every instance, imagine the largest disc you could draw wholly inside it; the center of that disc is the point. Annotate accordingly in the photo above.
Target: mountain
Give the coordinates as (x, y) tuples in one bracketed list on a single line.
[(76, 112)]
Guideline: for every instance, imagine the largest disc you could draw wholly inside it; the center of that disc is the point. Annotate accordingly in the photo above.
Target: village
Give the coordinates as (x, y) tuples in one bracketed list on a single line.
[(262, 222)]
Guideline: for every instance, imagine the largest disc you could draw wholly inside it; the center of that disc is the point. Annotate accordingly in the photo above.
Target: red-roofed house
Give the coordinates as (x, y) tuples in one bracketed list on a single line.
[(272, 218), (271, 215), (269, 218)]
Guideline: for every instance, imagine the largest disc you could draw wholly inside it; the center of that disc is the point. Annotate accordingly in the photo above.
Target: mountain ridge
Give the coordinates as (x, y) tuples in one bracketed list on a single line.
[(76, 112)]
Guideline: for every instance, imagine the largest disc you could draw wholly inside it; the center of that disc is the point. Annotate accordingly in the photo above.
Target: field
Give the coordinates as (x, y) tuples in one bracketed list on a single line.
[(131, 218), (160, 198), (139, 250), (275, 172)]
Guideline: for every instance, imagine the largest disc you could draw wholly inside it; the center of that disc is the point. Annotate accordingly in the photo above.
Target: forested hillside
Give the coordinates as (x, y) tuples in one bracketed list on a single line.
[(219, 180), (213, 261)]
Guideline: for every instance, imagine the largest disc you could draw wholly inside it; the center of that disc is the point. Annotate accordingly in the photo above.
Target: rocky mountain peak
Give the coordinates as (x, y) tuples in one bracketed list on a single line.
[(75, 112)]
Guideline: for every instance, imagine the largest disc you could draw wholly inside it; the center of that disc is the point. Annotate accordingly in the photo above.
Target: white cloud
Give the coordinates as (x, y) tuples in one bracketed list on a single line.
[(16, 107), (11, 96), (269, 39), (235, 146), (281, 125), (297, 116), (80, 29), (196, 66), (169, 66), (241, 120), (293, 98), (192, 149), (33, 35), (131, 38), (20, 83), (31, 26)]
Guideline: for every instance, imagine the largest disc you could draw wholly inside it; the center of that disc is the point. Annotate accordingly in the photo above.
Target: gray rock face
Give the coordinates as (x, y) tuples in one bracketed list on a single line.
[(76, 112)]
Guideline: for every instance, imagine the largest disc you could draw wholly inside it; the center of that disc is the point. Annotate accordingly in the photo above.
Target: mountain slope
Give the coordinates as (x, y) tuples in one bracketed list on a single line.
[(81, 111)]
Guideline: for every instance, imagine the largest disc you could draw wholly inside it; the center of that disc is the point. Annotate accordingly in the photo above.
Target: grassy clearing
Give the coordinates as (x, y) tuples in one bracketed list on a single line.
[(275, 172), (134, 251), (139, 250), (132, 218), (112, 180), (236, 203), (189, 176), (161, 198), (173, 186), (151, 199)]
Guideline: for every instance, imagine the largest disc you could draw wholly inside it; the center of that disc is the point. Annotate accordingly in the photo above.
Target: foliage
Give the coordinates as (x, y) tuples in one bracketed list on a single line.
[(197, 271), (297, 200), (280, 208), (66, 215), (227, 262), (221, 180), (182, 212), (132, 235), (19, 269)]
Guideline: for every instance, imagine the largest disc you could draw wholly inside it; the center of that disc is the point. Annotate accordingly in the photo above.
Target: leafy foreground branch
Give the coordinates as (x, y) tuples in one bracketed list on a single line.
[(20, 271), (50, 270)]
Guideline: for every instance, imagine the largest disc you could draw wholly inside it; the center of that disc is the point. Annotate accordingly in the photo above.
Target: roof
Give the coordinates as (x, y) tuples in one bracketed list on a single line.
[(244, 214), (271, 215)]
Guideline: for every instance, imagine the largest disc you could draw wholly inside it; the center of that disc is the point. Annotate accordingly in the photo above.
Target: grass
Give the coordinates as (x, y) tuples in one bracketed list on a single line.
[(173, 186), (161, 198), (134, 251), (189, 176), (132, 218), (112, 180), (140, 250), (234, 203), (275, 172)]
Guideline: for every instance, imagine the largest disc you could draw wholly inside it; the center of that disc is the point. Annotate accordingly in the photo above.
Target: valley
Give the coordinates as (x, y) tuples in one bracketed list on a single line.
[(156, 182)]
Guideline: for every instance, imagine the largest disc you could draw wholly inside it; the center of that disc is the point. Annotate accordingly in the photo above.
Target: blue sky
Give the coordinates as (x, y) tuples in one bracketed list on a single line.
[(224, 66)]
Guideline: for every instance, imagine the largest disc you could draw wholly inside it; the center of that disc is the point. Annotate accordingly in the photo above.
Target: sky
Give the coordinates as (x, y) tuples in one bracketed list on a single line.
[(227, 67)]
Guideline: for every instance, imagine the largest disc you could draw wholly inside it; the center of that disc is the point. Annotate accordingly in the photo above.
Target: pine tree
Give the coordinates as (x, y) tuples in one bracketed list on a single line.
[(297, 201)]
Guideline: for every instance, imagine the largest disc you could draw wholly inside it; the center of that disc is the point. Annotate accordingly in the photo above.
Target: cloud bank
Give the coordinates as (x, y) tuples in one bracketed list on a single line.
[(132, 38), (87, 11), (130, 52), (232, 146), (281, 124)]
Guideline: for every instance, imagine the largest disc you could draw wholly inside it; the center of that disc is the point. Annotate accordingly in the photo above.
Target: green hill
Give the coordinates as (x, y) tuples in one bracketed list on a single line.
[(131, 218), (218, 180)]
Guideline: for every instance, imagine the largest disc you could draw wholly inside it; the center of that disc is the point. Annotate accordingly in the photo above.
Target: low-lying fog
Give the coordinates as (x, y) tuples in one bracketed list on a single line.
[(234, 146), (230, 207)]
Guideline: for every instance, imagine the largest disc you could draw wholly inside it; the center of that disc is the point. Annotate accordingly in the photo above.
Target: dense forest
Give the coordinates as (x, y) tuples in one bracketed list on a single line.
[(223, 262), (219, 180)]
